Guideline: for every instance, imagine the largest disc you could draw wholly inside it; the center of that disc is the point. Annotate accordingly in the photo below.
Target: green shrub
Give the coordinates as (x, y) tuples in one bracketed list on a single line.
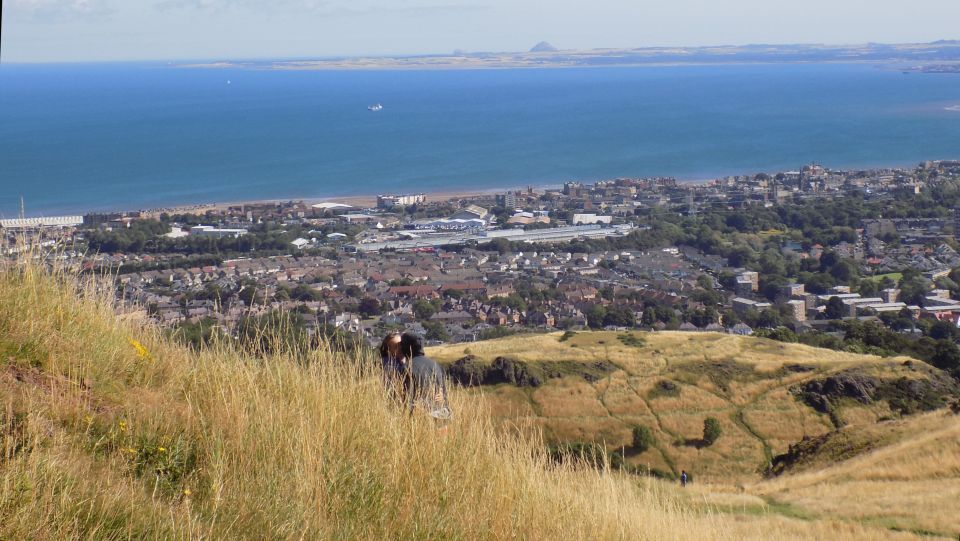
[(643, 438), (711, 430)]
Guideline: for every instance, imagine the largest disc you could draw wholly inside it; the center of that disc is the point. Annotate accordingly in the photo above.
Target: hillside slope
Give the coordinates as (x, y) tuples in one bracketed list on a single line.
[(108, 430), (902, 474), (766, 394)]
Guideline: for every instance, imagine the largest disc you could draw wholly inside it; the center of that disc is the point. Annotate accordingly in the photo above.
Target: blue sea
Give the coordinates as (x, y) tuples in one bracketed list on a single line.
[(77, 138)]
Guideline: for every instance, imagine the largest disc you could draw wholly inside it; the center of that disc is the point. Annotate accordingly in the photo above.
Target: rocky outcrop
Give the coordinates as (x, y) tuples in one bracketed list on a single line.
[(471, 371), (848, 384), (905, 395)]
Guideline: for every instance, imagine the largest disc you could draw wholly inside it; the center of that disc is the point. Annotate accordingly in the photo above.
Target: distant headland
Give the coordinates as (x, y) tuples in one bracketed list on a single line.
[(935, 57)]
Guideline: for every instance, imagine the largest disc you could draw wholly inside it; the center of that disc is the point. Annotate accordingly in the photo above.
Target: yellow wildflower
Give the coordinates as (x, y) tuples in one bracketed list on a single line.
[(186, 492), (161, 449), (142, 352), (122, 425)]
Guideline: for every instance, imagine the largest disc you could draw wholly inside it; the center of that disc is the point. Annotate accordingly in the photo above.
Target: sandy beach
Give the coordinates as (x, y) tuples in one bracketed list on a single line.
[(358, 201)]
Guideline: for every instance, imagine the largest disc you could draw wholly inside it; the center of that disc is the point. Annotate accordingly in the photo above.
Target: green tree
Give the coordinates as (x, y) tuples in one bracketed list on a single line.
[(620, 316), (835, 308), (944, 330), (913, 289), (595, 316), (770, 319), (423, 309), (305, 293), (947, 357), (643, 438), (705, 281), (436, 331), (868, 288), (711, 431), (369, 307)]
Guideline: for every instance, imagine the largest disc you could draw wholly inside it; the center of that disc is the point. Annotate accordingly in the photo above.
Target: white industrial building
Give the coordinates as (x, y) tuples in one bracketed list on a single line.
[(37, 223), (588, 219), (211, 231)]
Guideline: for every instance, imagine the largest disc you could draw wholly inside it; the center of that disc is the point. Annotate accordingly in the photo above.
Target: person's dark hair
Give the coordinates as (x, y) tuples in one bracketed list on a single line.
[(411, 346), (385, 345)]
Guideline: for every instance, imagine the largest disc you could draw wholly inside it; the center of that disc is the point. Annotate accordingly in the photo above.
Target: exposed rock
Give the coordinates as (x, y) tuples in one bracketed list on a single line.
[(906, 395), (469, 371), (516, 372), (848, 384), (472, 371)]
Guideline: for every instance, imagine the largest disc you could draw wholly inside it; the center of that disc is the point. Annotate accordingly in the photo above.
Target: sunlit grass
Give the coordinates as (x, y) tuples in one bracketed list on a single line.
[(109, 430)]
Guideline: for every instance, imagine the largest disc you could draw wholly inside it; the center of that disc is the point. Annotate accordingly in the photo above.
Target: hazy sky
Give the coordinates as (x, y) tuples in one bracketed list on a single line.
[(84, 30)]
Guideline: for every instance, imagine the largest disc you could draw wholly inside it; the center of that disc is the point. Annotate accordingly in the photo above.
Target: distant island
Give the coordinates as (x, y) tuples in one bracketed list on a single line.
[(936, 57), (543, 47)]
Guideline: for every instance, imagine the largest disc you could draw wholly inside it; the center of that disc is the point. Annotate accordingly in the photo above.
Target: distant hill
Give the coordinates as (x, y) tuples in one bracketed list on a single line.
[(783, 408), (890, 56), (596, 386), (543, 47)]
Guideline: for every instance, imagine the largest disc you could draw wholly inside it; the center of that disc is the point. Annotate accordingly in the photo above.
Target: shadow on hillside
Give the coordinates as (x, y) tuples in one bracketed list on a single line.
[(699, 443)]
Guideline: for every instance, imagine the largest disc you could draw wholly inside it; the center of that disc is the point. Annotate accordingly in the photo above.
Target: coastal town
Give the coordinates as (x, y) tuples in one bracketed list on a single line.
[(649, 253)]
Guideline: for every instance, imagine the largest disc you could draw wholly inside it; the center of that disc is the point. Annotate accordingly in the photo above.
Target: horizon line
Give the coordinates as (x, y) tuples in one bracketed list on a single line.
[(458, 52)]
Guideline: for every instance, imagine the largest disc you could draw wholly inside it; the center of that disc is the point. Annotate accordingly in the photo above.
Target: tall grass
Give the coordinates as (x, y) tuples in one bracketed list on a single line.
[(109, 430)]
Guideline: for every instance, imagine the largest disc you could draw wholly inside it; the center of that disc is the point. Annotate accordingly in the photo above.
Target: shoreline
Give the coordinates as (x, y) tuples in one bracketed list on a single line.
[(358, 201), (368, 200), (362, 201)]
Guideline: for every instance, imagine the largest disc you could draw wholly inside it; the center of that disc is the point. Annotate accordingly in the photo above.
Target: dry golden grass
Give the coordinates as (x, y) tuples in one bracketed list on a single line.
[(907, 486), (911, 481), (620, 397), (782, 420), (739, 380), (570, 397), (108, 430)]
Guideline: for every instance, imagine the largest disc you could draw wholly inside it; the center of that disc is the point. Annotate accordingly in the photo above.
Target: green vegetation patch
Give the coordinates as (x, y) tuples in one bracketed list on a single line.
[(632, 340), (472, 371), (913, 395), (831, 447), (27, 353), (906, 395), (664, 389), (720, 373)]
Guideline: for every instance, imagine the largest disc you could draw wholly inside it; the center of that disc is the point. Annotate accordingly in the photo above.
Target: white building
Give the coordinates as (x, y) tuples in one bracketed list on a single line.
[(587, 219), (36, 223), (390, 201), (300, 243), (211, 231)]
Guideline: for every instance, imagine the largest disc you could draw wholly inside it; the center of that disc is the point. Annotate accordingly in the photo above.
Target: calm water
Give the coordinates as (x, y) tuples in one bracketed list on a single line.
[(94, 137)]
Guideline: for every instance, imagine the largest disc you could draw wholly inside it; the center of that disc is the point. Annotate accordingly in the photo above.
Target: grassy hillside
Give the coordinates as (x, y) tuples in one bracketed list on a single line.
[(902, 475), (671, 381), (110, 431), (867, 458)]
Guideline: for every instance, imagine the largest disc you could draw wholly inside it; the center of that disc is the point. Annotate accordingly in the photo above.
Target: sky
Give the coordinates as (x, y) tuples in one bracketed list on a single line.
[(110, 30)]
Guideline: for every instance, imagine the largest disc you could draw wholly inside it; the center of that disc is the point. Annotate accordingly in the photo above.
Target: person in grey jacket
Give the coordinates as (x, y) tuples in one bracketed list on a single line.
[(424, 384)]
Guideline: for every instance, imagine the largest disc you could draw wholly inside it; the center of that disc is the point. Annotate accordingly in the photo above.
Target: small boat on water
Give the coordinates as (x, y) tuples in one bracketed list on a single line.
[(375, 107)]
